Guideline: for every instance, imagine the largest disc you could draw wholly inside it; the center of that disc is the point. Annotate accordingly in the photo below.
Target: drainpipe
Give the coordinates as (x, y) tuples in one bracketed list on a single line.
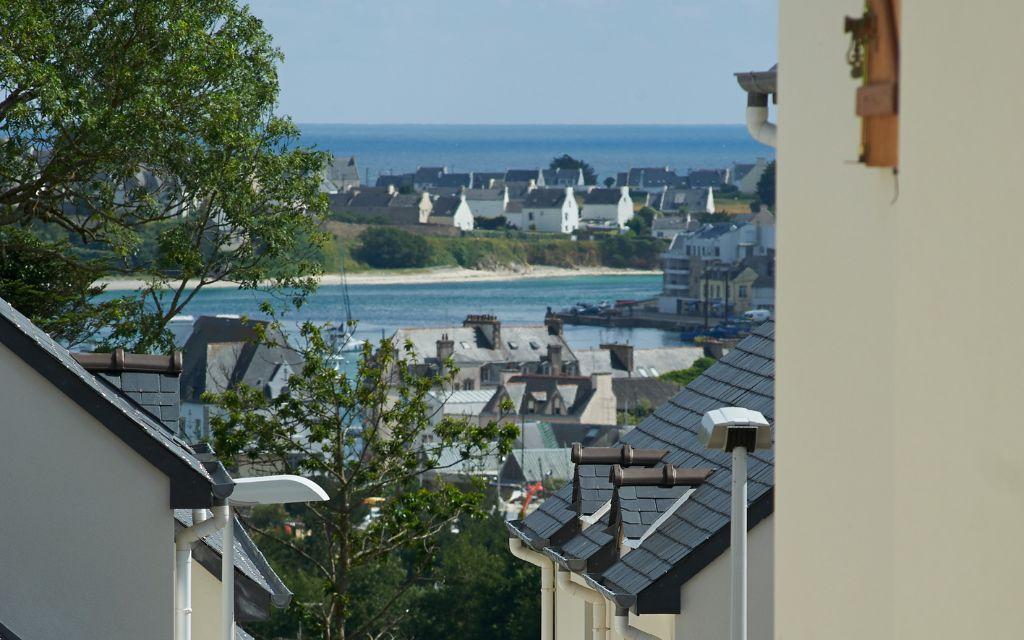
[(183, 568), (547, 585), (757, 119), (600, 615), (227, 576), (622, 628)]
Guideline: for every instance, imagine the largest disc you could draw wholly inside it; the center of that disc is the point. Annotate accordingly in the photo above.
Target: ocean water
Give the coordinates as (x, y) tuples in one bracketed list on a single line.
[(382, 149), (381, 309)]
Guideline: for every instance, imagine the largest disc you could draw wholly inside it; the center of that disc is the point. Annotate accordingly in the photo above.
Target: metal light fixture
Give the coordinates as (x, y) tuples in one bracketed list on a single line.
[(280, 489), (737, 430)]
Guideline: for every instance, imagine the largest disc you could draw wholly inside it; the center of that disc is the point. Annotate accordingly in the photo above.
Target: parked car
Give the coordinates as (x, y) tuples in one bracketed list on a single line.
[(757, 315)]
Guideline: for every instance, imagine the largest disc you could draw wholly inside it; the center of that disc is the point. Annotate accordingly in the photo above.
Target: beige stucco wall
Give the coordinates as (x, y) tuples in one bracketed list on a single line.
[(706, 597), (86, 528), (899, 358), (206, 604)]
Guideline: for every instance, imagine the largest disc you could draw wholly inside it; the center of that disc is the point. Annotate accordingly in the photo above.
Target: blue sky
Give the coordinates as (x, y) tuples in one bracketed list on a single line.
[(518, 61)]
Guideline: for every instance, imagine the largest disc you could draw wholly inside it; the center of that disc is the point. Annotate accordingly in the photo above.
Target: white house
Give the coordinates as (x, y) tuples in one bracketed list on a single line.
[(551, 210), (487, 203), (608, 206), (453, 212), (95, 484), (635, 556)]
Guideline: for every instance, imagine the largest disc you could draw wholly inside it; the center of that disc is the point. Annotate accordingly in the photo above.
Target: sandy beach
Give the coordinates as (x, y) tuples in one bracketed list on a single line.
[(422, 276)]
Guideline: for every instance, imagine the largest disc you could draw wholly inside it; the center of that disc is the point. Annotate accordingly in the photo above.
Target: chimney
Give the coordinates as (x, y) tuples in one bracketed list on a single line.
[(150, 381), (622, 356), (553, 323), (488, 326), (445, 348), (555, 359)]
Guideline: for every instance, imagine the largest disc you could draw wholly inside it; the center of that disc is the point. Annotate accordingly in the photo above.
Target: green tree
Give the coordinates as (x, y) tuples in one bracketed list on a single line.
[(686, 376), (641, 222), (391, 248), (566, 161), (478, 590), (368, 438), (609, 182), (118, 115), (766, 186)]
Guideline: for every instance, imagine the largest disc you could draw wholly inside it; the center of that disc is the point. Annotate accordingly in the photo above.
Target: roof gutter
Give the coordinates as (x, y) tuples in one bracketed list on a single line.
[(563, 578), (759, 85)]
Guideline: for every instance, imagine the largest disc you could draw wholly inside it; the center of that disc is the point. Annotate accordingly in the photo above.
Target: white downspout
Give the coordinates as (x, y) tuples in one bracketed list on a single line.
[(547, 585), (623, 630), (227, 576), (183, 568), (757, 119), (738, 542), (600, 616)]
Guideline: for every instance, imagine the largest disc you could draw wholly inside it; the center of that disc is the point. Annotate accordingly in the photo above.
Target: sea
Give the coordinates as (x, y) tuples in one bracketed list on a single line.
[(381, 309), (386, 149)]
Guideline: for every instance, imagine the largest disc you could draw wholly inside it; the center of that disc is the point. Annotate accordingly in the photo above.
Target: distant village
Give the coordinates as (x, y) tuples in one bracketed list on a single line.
[(716, 264)]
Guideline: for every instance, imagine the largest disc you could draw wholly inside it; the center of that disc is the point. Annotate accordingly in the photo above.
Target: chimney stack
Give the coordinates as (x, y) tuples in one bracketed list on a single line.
[(621, 356), (555, 359), (445, 348), (488, 326)]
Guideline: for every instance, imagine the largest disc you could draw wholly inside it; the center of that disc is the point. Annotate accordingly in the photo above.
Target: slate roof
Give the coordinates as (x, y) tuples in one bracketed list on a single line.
[(484, 194), (707, 177), (191, 484), (536, 465), (482, 179), (563, 177), (446, 206), (257, 586), (523, 175), (470, 348), (157, 393), (428, 175), (631, 393), (647, 579), (454, 180), (397, 180), (647, 363), (546, 198), (602, 196)]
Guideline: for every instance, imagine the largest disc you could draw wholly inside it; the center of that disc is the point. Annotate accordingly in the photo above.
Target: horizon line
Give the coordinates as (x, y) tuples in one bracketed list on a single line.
[(525, 124)]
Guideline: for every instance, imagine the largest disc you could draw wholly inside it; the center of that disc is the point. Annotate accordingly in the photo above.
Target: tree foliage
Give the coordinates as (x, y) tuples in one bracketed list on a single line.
[(363, 436), (641, 222), (391, 248), (566, 161), (766, 186), (116, 115), (686, 376)]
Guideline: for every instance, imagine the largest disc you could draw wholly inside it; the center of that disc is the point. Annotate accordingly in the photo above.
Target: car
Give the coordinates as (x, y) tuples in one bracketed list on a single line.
[(757, 315)]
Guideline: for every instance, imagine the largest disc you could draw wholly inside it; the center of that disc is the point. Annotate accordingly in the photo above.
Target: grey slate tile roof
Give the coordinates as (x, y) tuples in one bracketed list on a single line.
[(602, 196), (454, 180), (263, 587), (157, 393), (446, 206), (648, 577), (191, 484), (524, 175), (546, 198)]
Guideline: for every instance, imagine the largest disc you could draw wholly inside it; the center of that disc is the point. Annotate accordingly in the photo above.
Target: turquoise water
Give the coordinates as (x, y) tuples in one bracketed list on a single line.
[(385, 308), (462, 148)]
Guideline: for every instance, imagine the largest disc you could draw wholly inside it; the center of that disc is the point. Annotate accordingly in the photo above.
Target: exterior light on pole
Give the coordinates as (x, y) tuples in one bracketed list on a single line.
[(249, 492), (738, 431)]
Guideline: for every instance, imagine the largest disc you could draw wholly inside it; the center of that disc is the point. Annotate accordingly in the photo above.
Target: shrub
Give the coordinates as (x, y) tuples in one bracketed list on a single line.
[(392, 248)]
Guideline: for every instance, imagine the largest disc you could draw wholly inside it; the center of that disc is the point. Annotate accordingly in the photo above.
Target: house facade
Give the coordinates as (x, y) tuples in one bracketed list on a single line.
[(549, 210), (97, 483), (452, 211), (620, 560), (608, 206), (487, 203), (923, 557)]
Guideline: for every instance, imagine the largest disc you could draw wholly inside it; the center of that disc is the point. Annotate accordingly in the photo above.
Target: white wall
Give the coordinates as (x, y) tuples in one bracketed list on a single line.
[(206, 604), (876, 537), (87, 532), (487, 208)]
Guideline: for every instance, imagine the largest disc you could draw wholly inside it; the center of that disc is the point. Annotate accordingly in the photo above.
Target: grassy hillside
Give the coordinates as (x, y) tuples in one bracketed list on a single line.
[(507, 250)]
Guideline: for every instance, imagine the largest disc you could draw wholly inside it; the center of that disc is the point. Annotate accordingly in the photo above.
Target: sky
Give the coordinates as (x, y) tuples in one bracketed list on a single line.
[(518, 61)]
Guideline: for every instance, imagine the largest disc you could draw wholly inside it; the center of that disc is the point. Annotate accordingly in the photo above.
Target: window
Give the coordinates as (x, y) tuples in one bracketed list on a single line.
[(743, 291), (531, 215)]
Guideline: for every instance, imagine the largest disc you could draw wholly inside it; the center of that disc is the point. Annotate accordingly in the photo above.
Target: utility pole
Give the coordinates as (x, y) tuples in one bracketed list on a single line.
[(707, 289)]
